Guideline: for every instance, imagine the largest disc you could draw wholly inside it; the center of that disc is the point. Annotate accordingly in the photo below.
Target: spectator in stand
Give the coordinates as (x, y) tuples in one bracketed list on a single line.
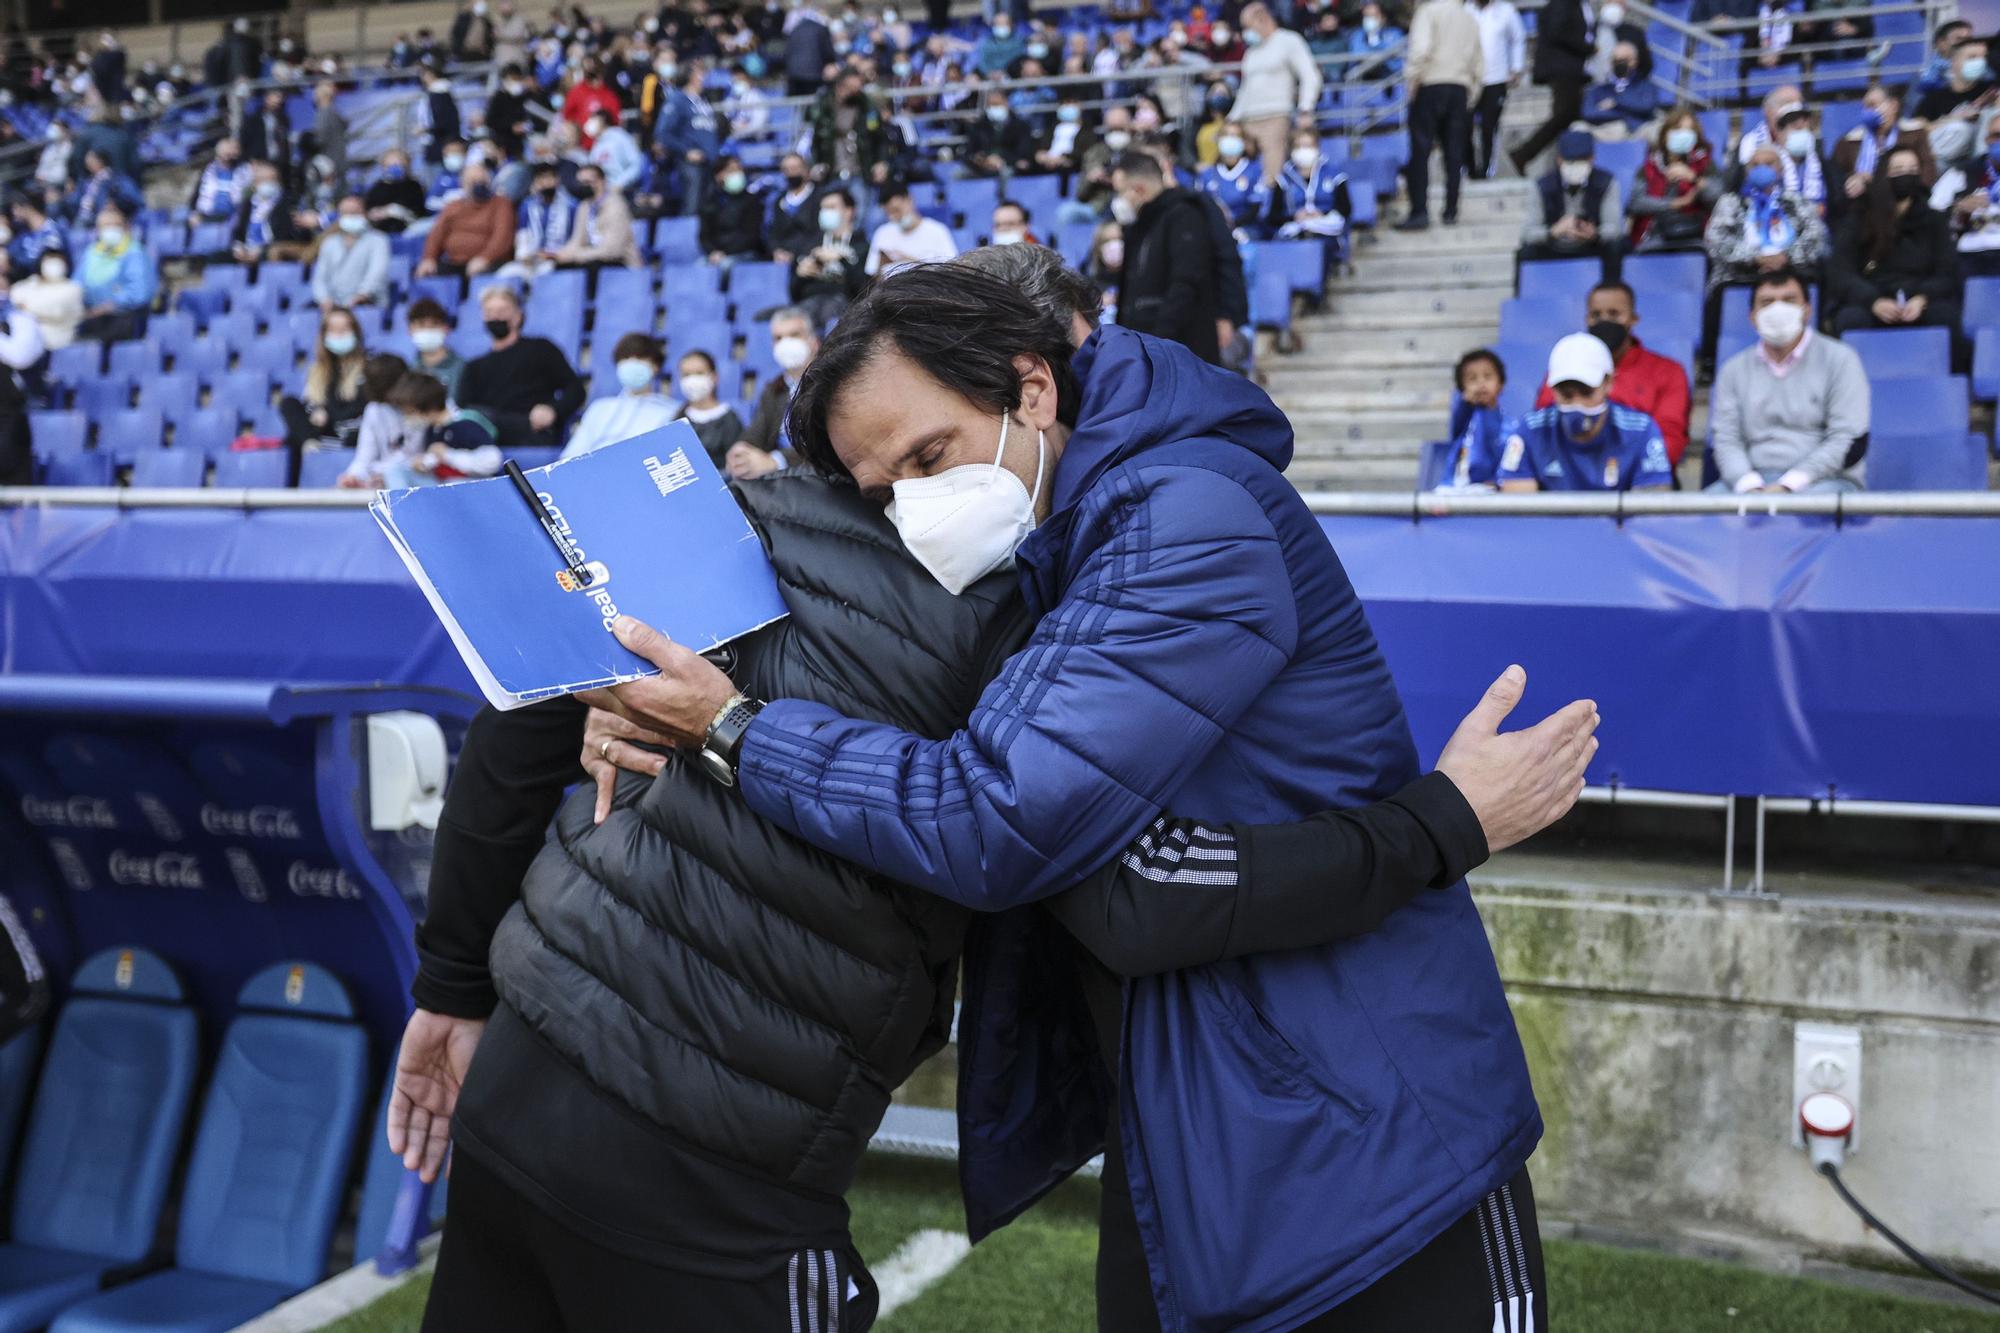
[(329, 406), (525, 386), (1860, 151), (688, 136), (246, 53), (352, 266), (1224, 46), (1376, 34), (112, 138), (100, 187), (1581, 212), (223, 184), (1585, 441), (1169, 283), (472, 35), (1564, 43), (430, 329), (1843, 21), (52, 166), (1791, 413), (831, 272), (265, 133), (809, 51), (507, 120), (1763, 227), (1972, 200), (1772, 39), (330, 133), (1894, 263), (21, 351), (614, 151), (1937, 70), (1281, 84), (999, 143), (1966, 92), (1105, 264), (266, 224), (386, 451), (35, 233), (1000, 48), (908, 237), (792, 215), (544, 222), (107, 68), (749, 108), (765, 446), (394, 200), (1787, 126), (1677, 187), (715, 422), (1236, 184), (1068, 140), (52, 298), (1446, 71), (637, 408), (1311, 197), (511, 36), (849, 133), (448, 180), (456, 442), (438, 119), (1478, 432), (601, 232), (732, 219), (1503, 56), (474, 233), (1625, 103), (1012, 225), (1647, 382), (589, 94)]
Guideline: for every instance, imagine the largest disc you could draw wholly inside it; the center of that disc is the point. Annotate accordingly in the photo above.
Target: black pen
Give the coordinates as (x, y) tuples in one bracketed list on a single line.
[(564, 547)]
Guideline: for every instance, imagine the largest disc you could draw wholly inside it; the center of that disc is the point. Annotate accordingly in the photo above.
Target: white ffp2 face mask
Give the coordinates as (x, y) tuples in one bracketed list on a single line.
[(966, 521)]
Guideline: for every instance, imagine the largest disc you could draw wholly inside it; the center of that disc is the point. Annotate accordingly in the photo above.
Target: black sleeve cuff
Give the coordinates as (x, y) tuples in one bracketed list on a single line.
[(455, 989), (1438, 806)]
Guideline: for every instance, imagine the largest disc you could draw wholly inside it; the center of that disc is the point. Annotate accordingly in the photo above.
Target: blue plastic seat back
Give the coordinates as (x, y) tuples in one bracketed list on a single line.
[(208, 429), (758, 287), (687, 280), (254, 468), (321, 468), (1902, 354), (131, 431), (268, 1172), (169, 467), (85, 469), (1655, 276), (56, 433), (1432, 463), (1982, 304), (109, 1110), (18, 1059), (677, 240), (1561, 282), (1916, 461), (1527, 320)]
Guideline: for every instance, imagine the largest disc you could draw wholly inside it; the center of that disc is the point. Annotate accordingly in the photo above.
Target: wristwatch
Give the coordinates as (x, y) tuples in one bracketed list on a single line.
[(725, 737)]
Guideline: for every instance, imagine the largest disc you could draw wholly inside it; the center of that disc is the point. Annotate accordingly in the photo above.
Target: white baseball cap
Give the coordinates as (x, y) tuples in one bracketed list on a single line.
[(1581, 357)]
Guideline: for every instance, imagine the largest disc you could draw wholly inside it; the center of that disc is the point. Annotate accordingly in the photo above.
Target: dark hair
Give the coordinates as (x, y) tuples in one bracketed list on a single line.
[(1474, 357), (380, 374), (1039, 273), (510, 70), (1955, 25), (1017, 206), (1142, 166), (1970, 39), (839, 194), (1614, 285), (426, 310), (640, 347), (962, 326), (1882, 221), (1779, 277), (893, 191), (417, 392), (706, 359)]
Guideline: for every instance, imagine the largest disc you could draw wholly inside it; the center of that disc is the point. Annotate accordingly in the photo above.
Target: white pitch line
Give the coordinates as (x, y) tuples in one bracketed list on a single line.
[(921, 1261)]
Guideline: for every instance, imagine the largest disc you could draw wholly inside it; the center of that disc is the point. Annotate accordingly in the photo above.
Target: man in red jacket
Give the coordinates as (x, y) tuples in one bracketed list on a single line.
[(1646, 381)]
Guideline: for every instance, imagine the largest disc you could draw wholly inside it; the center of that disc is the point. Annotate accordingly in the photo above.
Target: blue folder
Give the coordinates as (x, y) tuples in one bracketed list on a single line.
[(656, 527)]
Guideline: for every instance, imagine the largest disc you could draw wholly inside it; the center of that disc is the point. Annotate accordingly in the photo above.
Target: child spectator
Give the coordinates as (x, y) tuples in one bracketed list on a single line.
[(386, 453), (638, 408), (1477, 430), (429, 327), (715, 422), (457, 443)]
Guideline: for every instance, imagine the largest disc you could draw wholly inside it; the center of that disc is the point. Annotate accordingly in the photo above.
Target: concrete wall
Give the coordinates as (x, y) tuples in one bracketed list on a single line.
[(1659, 1023)]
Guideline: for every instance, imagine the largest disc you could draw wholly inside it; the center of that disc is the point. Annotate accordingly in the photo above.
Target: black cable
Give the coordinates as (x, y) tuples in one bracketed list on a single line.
[(1910, 1252)]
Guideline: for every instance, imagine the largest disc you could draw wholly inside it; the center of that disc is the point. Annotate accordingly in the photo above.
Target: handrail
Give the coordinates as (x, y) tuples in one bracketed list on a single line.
[(1387, 504)]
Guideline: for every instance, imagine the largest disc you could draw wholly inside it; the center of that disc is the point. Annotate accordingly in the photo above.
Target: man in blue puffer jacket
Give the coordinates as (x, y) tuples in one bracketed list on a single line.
[(1297, 1126)]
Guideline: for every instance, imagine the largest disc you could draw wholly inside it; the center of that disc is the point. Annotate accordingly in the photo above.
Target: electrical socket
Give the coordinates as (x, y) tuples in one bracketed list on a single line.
[(1825, 1058)]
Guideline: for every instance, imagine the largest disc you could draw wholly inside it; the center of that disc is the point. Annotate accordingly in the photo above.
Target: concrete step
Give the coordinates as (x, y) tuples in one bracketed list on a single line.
[(1308, 385), (1468, 302), (1387, 351), (1306, 400), (1365, 433), (1498, 237), (1373, 474), (1374, 323), (1429, 271)]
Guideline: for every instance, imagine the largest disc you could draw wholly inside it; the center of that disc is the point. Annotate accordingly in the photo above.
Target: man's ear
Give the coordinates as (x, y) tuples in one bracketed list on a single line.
[(1038, 392)]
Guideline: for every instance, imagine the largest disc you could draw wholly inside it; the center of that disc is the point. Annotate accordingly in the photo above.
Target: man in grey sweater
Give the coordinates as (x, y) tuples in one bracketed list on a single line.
[(1791, 413)]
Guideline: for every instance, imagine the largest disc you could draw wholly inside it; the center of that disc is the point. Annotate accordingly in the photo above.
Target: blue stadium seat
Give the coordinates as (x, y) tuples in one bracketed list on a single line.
[(1303, 264), (691, 307), (77, 363), (204, 305), (169, 467), (1072, 242), (208, 238), (173, 331), (90, 468), (98, 398), (1982, 304), (534, 455), (1678, 348), (1622, 158), (690, 280), (729, 380), (711, 337), (758, 358), (1831, 77), (231, 277), (677, 240), (1539, 321), (1361, 197), (1677, 274), (1271, 299), (1757, 81), (1041, 196), (973, 199), (57, 432), (445, 288), (755, 288), (257, 468), (261, 299), (383, 1180), (1563, 282), (1902, 354), (18, 1060), (477, 287), (130, 431), (208, 429), (203, 358), (176, 396), (246, 392), (1948, 461), (1715, 129), (1986, 365), (1432, 463), (102, 1134), (275, 1140), (271, 357), (238, 330), (133, 360), (321, 468), (627, 304)]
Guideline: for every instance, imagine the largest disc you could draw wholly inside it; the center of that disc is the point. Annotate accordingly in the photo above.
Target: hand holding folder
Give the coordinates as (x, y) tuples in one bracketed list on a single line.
[(528, 577)]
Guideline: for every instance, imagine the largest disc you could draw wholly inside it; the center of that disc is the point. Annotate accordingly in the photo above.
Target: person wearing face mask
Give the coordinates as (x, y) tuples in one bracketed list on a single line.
[(589, 95), (637, 408), (429, 327), (1066, 143), (439, 122), (394, 198), (614, 151), (766, 444), (222, 185), (715, 422), (1565, 41), (448, 180), (266, 222), (1623, 103), (1791, 413), (1280, 86), (1763, 227), (1580, 211), (1583, 441), (546, 217), (1376, 34), (525, 386), (826, 277), (1236, 183), (1311, 198), (329, 405), (1893, 263), (1168, 287), (688, 135), (1011, 225), (1677, 187), (999, 143), (749, 109), (1446, 70), (600, 230), (98, 187), (1787, 126), (907, 237), (792, 212), (265, 132), (474, 233), (1968, 90), (471, 35), (1858, 155), (1970, 197), (352, 266), (1000, 48), (1646, 382), (506, 118), (732, 217), (52, 299)]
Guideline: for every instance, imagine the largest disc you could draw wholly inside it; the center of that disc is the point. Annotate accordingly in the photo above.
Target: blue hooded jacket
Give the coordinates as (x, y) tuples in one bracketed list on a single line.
[(1299, 1123)]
